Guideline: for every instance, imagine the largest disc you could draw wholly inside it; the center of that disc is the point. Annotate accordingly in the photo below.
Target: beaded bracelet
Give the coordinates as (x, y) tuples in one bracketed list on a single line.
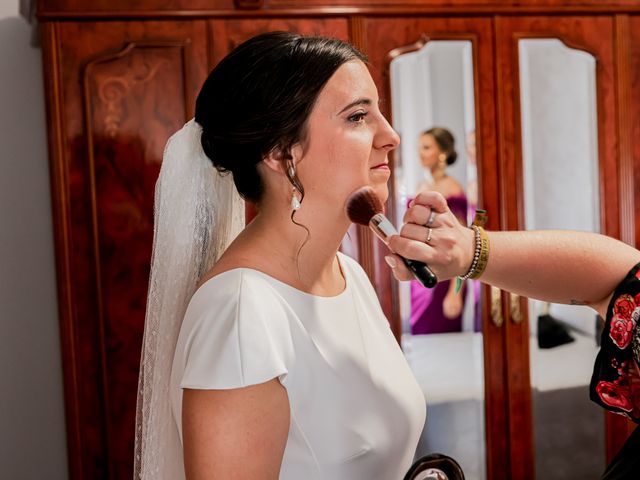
[(484, 255), (480, 257), (476, 254)]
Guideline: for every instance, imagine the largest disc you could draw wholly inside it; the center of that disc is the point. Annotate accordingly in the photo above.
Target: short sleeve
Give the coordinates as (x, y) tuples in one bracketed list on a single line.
[(239, 336), (615, 384)]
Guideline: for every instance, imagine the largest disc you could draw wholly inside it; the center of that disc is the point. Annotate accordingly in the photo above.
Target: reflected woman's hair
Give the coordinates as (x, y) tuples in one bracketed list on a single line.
[(445, 140)]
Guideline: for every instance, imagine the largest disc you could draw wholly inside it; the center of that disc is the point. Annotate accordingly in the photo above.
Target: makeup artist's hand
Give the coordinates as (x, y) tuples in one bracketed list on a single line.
[(450, 246)]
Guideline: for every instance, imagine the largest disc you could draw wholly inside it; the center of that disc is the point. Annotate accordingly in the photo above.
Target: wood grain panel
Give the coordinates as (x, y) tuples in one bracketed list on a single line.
[(593, 35), (225, 35), (125, 144), (382, 38), (126, 88)]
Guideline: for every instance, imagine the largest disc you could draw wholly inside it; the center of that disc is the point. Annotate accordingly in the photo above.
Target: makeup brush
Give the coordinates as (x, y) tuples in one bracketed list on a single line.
[(365, 208)]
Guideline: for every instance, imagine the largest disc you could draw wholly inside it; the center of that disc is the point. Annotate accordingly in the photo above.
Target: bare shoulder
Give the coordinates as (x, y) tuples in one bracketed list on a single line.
[(234, 257), (449, 187)]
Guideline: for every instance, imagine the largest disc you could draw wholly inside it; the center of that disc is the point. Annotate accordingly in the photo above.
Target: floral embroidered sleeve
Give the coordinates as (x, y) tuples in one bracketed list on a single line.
[(615, 383)]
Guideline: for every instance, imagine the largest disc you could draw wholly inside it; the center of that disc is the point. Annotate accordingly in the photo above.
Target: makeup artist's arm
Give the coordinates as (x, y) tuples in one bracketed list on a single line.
[(235, 434), (556, 266)]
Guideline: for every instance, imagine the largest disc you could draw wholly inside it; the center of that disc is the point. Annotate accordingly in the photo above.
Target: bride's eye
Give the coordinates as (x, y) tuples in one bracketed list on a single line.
[(357, 117)]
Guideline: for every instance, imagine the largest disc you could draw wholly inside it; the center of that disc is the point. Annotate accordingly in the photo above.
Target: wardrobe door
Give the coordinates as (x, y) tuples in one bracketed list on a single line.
[(439, 72), (116, 92), (559, 158)]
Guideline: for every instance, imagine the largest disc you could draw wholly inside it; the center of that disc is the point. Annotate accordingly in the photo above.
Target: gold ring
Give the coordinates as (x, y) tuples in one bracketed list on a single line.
[(432, 217), (429, 232)]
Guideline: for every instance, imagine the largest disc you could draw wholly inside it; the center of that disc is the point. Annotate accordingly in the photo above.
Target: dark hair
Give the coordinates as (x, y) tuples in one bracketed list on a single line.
[(446, 142), (258, 98)]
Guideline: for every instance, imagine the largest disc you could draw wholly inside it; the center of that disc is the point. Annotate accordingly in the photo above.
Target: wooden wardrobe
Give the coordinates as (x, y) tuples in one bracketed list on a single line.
[(122, 76)]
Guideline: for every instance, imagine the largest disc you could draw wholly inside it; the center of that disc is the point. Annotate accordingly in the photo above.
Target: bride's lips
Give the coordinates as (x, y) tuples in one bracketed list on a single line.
[(381, 166)]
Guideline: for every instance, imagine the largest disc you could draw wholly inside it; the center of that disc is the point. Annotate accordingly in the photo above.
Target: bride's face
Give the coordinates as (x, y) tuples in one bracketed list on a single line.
[(347, 141)]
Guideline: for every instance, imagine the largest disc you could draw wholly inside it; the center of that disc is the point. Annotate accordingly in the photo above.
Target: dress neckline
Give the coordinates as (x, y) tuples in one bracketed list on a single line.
[(291, 288)]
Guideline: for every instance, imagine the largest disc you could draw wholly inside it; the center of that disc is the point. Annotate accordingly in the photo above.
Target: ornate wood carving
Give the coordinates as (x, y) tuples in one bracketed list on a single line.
[(113, 91)]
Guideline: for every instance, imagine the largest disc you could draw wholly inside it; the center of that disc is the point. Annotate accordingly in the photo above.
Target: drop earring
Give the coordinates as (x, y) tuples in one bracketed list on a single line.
[(295, 201)]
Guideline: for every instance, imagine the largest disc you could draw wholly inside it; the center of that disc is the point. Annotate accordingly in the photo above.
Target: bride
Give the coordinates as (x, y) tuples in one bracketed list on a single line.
[(266, 354)]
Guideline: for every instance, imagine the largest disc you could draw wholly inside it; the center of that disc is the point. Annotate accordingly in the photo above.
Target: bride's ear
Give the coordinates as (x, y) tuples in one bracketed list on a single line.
[(281, 161), (275, 161)]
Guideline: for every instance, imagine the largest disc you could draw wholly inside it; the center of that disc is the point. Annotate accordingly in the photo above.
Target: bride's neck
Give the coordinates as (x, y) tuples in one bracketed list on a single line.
[(306, 256)]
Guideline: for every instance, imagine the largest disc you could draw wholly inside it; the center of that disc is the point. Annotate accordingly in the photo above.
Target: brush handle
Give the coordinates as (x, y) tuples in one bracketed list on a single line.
[(384, 229), (421, 272)]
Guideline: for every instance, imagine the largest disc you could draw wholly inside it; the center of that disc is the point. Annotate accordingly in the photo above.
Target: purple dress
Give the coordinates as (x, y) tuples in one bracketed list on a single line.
[(427, 314)]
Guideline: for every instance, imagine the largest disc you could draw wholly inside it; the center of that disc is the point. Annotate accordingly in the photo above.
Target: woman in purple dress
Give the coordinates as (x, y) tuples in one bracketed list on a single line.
[(439, 310)]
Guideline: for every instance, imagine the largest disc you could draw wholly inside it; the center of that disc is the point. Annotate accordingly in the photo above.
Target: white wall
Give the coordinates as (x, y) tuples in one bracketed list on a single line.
[(32, 427)]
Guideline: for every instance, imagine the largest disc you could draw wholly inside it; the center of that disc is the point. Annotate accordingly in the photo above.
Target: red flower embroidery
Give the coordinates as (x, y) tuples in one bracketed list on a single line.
[(614, 395), (624, 306), (637, 299), (621, 331), (638, 274)]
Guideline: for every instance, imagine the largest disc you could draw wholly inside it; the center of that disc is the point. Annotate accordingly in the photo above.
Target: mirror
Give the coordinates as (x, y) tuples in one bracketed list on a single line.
[(561, 191), (433, 109)]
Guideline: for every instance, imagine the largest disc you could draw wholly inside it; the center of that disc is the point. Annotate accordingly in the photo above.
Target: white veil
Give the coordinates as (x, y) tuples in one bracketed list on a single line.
[(197, 213)]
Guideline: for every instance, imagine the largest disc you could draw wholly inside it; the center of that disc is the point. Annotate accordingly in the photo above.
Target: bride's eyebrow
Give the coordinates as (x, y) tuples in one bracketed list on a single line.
[(359, 101)]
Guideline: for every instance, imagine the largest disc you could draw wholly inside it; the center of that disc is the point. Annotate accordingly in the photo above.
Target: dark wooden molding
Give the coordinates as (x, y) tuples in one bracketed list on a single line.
[(249, 4), (427, 10), (625, 149), (61, 225)]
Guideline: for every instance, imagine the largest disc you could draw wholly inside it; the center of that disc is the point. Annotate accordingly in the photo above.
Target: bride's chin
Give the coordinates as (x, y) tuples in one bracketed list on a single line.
[(382, 191)]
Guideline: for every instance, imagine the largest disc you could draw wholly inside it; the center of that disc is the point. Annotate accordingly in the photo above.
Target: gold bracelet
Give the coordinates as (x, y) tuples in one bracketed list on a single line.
[(483, 258), (481, 250)]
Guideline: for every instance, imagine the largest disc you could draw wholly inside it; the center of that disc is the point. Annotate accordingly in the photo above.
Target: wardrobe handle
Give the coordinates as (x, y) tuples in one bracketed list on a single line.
[(496, 307), (516, 311)]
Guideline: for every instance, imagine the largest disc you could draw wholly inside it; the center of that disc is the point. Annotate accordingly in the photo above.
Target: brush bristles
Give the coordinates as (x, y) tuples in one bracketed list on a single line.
[(362, 205)]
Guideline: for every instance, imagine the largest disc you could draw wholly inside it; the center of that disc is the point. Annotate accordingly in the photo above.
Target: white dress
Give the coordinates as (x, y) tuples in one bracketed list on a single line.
[(356, 409)]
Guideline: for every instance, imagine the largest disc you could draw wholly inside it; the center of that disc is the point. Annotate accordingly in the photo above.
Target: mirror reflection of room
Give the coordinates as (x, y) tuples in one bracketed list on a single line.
[(560, 178), (433, 110)]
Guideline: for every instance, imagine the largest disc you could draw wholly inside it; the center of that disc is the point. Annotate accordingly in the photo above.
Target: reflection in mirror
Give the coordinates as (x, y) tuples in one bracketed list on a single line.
[(432, 96), (560, 167)]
